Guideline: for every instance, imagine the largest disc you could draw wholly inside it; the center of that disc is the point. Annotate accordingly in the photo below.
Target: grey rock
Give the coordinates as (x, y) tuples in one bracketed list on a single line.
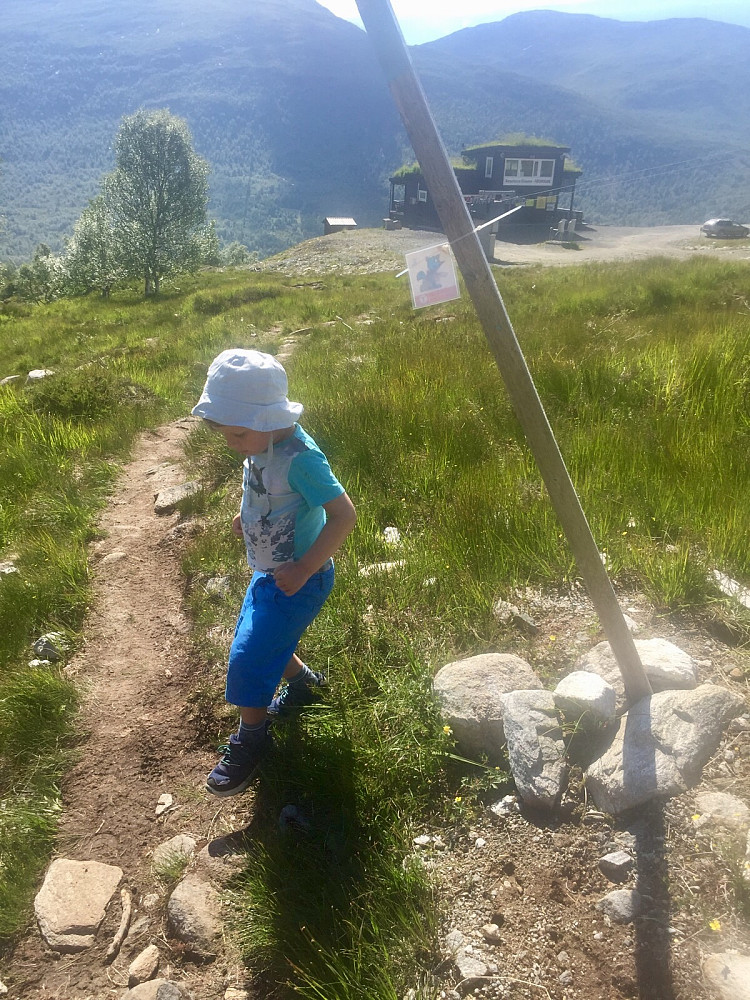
[(167, 501), (470, 694), (509, 614), (471, 970), (661, 746), (144, 966), (565, 978), (491, 933), (667, 666), (9, 380), (221, 860), (536, 751), (728, 973), (732, 588), (506, 806), (194, 917), (157, 989), (454, 940), (3, 987), (72, 902), (181, 845), (621, 906), (52, 646), (740, 725), (721, 809), (7, 568), (218, 586), (233, 993), (615, 866), (586, 698)]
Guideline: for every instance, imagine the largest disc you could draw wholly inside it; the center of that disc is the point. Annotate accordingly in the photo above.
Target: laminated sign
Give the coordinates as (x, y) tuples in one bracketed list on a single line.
[(432, 275)]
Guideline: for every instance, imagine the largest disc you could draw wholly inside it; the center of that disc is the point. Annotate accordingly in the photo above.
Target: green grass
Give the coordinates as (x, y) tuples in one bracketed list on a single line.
[(645, 375), (644, 372)]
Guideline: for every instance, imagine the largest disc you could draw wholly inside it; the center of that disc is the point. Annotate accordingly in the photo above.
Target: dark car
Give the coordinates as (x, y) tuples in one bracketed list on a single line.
[(724, 229)]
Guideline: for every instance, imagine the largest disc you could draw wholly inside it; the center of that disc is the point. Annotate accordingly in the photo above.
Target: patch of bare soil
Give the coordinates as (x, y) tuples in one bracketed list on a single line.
[(537, 877), (137, 672)]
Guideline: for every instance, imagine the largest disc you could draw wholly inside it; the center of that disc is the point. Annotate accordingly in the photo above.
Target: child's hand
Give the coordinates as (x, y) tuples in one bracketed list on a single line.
[(289, 577), (237, 526)]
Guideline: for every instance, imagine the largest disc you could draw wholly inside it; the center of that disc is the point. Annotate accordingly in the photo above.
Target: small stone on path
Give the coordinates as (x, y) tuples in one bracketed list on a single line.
[(72, 902), (165, 802), (615, 866), (181, 845), (167, 501), (157, 989), (193, 914), (622, 906), (144, 966)]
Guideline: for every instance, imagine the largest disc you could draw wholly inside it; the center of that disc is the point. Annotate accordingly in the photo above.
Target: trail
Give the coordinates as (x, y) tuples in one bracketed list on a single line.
[(135, 671)]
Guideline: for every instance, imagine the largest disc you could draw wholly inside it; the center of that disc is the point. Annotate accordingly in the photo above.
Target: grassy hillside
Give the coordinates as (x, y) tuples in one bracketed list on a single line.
[(644, 372), (287, 104)]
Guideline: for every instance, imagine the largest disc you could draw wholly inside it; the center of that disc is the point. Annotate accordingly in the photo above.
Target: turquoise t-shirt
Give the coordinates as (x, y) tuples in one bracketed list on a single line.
[(283, 491)]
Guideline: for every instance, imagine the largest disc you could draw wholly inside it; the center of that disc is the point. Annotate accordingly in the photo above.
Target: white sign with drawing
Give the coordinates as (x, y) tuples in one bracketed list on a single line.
[(432, 275)]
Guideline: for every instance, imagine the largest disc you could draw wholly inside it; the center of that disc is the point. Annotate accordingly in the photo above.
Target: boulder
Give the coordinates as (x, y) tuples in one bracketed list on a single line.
[(536, 751), (470, 694), (667, 666), (586, 699), (728, 974), (661, 746)]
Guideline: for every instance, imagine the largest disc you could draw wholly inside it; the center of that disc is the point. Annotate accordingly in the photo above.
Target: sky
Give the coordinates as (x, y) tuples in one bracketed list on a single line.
[(424, 20)]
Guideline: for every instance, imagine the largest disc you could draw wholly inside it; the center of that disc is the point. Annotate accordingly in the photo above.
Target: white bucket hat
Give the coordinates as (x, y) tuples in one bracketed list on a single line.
[(247, 389)]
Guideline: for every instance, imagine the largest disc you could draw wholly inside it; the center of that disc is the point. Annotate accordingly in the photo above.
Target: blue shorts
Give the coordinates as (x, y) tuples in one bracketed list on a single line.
[(268, 629)]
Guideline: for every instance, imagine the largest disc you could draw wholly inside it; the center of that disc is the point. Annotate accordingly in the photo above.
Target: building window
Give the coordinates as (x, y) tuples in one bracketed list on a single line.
[(488, 164), (531, 172), (422, 195)]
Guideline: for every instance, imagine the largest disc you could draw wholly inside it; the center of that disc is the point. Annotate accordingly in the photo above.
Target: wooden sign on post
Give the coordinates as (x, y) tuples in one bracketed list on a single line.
[(385, 35)]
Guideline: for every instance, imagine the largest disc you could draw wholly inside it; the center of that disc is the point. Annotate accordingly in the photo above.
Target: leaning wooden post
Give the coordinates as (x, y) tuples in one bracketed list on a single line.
[(385, 34)]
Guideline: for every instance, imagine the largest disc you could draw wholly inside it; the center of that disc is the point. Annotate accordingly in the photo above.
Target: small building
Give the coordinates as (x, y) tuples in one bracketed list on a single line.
[(334, 224), (533, 176)]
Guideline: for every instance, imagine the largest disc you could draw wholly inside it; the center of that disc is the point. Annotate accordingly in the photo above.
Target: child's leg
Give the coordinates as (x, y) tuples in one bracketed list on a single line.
[(268, 630)]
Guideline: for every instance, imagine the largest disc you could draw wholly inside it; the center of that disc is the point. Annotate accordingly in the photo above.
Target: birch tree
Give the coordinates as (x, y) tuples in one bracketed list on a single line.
[(157, 196)]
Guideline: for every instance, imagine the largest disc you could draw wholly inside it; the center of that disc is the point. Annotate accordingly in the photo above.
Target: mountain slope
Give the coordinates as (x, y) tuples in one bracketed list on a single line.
[(289, 107)]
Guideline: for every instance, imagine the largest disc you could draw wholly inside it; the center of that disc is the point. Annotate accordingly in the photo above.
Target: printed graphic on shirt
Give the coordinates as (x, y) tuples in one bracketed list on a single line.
[(279, 523)]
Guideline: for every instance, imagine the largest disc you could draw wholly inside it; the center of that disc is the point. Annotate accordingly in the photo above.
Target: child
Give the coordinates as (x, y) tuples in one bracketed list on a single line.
[(294, 516)]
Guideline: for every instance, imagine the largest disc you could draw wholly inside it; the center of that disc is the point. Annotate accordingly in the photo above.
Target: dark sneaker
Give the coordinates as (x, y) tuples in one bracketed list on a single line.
[(296, 696), (237, 767)]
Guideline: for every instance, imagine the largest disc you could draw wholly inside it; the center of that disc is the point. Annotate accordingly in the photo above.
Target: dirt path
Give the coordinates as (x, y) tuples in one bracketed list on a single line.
[(135, 668)]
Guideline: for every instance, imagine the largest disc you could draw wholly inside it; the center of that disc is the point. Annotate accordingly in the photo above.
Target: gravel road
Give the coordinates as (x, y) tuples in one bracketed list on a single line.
[(368, 251)]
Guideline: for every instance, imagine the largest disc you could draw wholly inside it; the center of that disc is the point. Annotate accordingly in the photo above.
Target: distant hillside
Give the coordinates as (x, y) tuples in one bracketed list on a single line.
[(289, 107)]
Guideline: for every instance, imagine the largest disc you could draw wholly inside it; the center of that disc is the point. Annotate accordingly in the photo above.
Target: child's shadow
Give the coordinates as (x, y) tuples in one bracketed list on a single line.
[(299, 860)]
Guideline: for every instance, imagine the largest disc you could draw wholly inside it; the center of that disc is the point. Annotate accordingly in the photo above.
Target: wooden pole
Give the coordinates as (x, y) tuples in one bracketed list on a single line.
[(385, 34)]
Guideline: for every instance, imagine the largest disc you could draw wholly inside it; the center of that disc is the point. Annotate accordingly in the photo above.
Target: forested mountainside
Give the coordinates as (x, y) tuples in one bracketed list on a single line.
[(288, 105)]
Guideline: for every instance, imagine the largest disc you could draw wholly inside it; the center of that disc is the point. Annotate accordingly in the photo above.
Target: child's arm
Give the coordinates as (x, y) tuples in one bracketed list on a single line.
[(341, 517), (237, 526)]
